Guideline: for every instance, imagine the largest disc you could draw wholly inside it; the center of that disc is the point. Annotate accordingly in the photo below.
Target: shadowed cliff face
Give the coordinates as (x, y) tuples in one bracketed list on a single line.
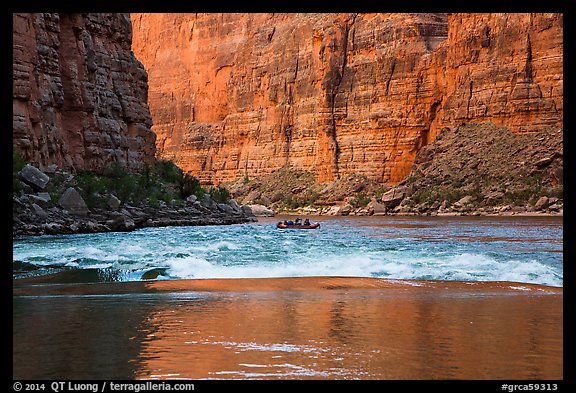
[(237, 95), (79, 94)]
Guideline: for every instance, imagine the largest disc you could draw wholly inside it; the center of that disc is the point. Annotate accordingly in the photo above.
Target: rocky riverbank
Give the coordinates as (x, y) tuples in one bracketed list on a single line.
[(50, 203), (471, 169)]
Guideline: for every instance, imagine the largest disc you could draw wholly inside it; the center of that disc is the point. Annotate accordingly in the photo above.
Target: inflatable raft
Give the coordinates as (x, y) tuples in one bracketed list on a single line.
[(314, 225)]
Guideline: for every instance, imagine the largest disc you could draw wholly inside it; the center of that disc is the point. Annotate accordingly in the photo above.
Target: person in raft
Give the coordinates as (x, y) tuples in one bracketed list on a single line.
[(307, 221), (298, 221), (290, 222)]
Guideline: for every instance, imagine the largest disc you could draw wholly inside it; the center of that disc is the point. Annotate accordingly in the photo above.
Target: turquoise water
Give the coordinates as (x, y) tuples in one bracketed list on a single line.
[(262, 331), (519, 249)]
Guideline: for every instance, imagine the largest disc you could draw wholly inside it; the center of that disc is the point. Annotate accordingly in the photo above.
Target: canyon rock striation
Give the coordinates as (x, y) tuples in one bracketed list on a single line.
[(506, 69), (79, 93), (243, 95)]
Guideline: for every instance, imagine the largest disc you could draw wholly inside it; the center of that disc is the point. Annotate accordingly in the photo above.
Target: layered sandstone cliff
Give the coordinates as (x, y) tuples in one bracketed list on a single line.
[(237, 95), (79, 94), (502, 68), (245, 94)]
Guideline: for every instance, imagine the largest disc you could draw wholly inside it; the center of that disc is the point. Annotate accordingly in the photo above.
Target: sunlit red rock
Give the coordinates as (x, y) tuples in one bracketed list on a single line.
[(503, 68), (237, 95)]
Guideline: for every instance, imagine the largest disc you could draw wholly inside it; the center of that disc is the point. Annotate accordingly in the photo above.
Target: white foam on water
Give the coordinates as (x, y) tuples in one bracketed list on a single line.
[(195, 267), (519, 288), (191, 267), (216, 246), (464, 267), (256, 365), (273, 347), (259, 252)]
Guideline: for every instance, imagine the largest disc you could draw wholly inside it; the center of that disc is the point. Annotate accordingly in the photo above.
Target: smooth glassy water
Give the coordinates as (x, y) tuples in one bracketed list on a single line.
[(318, 334)]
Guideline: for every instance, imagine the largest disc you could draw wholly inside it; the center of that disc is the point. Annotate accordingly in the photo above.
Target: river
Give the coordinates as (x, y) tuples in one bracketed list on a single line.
[(358, 298)]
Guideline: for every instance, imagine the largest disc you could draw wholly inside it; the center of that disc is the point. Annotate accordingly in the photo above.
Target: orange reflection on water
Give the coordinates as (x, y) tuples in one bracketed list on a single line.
[(398, 332)]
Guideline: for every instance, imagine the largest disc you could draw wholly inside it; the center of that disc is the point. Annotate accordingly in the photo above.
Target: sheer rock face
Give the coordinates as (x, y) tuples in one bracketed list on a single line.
[(237, 95), (79, 94), (244, 94), (503, 68)]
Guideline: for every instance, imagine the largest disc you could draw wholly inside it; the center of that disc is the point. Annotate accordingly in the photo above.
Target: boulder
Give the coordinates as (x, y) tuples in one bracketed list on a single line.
[(248, 211), (345, 210), (113, 202), (72, 201), (120, 222), (443, 206), (542, 203), (464, 201), (208, 202), (494, 195), (41, 198), (403, 209), (234, 205), (39, 211), (50, 168), (53, 228), (393, 197), (261, 210), (34, 177), (198, 206), (223, 207), (543, 162), (379, 209), (333, 210), (376, 209)]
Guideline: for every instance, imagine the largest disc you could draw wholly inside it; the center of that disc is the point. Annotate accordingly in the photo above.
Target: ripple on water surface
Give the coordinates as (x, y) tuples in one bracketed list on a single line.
[(490, 249)]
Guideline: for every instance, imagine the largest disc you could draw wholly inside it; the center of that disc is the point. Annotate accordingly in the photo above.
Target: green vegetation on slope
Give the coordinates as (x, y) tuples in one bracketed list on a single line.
[(163, 182)]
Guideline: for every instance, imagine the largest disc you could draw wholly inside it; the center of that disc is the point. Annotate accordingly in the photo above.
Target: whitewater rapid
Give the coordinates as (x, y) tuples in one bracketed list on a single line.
[(485, 249)]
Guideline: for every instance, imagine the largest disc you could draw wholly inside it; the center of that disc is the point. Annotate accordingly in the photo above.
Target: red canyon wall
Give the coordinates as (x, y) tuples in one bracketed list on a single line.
[(79, 94), (245, 94), (503, 68)]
